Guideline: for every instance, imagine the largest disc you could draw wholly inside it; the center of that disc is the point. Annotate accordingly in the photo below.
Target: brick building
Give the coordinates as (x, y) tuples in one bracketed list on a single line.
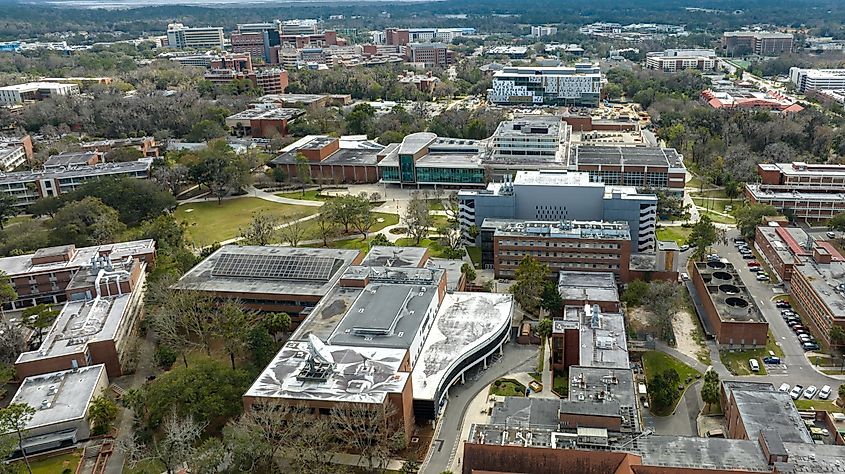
[(46, 275), (429, 54), (333, 160), (810, 192), (729, 310), (587, 246), (263, 121), (763, 43)]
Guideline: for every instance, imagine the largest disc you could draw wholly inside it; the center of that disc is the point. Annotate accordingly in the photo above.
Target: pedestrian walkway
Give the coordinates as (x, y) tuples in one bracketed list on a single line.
[(260, 194), (690, 361)]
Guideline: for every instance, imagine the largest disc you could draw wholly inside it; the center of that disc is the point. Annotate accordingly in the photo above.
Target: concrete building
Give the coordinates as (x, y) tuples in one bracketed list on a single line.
[(562, 245), (425, 159), (563, 195), (414, 338), (429, 54), (270, 81), (540, 31), (587, 336), (640, 167), (674, 60), (758, 409), (271, 279), (146, 145), (263, 121), (333, 160), (15, 151), (810, 192), (806, 80), (403, 37), (579, 85), (27, 186), (743, 98), (34, 91), (182, 37), (61, 401), (299, 26), (579, 288), (730, 313), (762, 43), (818, 291), (98, 323), (46, 275), (531, 139)]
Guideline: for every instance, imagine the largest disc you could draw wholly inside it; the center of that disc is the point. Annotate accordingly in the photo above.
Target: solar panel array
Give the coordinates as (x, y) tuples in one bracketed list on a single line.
[(274, 267)]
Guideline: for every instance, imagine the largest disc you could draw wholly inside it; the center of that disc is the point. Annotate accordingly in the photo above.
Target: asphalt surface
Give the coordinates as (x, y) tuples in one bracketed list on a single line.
[(515, 358), (796, 368)]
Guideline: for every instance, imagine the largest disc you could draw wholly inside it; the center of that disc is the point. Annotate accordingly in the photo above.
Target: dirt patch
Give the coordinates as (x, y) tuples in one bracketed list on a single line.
[(687, 334), (639, 322)]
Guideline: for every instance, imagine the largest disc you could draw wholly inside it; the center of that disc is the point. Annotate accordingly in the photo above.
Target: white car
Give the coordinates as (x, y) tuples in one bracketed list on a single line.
[(796, 392), (762, 277), (824, 392), (755, 366), (810, 392), (784, 387)]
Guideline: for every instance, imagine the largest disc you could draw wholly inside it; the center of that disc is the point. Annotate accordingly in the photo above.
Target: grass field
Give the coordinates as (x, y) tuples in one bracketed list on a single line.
[(55, 464), (714, 204), (434, 247), (825, 405), (678, 234), (507, 388), (475, 255), (209, 222), (737, 361), (655, 362), (380, 221), (718, 218), (311, 195)]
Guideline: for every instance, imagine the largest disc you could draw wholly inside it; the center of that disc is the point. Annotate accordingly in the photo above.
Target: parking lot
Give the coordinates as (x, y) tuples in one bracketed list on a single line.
[(795, 368)]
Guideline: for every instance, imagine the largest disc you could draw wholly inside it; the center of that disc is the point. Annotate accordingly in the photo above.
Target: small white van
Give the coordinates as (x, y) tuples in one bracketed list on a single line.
[(755, 366)]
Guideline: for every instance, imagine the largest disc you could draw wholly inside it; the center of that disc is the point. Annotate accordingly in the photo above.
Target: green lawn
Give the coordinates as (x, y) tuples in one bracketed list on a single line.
[(436, 205), (380, 221), (310, 195), (209, 222), (737, 361), (561, 385), (145, 467), (718, 218), (438, 221), (820, 405), (655, 362), (714, 205), (434, 247), (13, 221), (475, 255), (507, 388), (678, 234), (55, 464)]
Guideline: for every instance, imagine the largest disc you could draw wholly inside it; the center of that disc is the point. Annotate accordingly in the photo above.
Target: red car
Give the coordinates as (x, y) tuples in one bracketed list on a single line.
[(753, 263)]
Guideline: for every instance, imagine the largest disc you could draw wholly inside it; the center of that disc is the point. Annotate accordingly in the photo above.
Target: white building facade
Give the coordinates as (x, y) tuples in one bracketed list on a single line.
[(579, 85)]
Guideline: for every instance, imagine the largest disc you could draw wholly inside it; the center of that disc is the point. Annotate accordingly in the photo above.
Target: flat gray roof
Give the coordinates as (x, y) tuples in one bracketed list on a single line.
[(596, 386), (82, 322), (827, 279), (386, 315), (691, 452), (603, 346), (268, 270), (59, 397), (415, 142), (101, 169), (598, 230), (590, 286), (522, 412), (626, 155), (22, 264), (69, 159), (815, 458), (761, 407), (728, 293)]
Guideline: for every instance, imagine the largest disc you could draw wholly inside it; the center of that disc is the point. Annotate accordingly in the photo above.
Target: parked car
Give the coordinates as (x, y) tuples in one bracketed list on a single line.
[(797, 327), (754, 263), (805, 338), (738, 240), (831, 234), (784, 387), (796, 392), (787, 312), (762, 277), (755, 366), (783, 304), (684, 248), (685, 276), (755, 269), (810, 346), (771, 360), (824, 392), (747, 256), (810, 392)]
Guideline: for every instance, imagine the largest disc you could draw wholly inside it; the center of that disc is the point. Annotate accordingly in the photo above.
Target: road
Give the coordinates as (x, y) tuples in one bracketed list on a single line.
[(798, 368), (516, 358)]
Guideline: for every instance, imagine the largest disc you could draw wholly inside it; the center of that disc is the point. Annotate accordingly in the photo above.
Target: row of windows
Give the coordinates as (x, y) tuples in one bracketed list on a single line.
[(632, 178), (538, 253), (555, 244), (566, 265)]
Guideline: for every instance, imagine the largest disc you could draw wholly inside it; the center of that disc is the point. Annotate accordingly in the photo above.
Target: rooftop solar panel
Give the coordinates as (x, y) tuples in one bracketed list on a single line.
[(275, 267)]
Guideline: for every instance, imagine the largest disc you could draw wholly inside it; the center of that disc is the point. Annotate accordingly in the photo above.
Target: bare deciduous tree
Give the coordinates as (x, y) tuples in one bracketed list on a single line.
[(176, 447), (373, 432), (261, 230), (293, 232), (417, 218)]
